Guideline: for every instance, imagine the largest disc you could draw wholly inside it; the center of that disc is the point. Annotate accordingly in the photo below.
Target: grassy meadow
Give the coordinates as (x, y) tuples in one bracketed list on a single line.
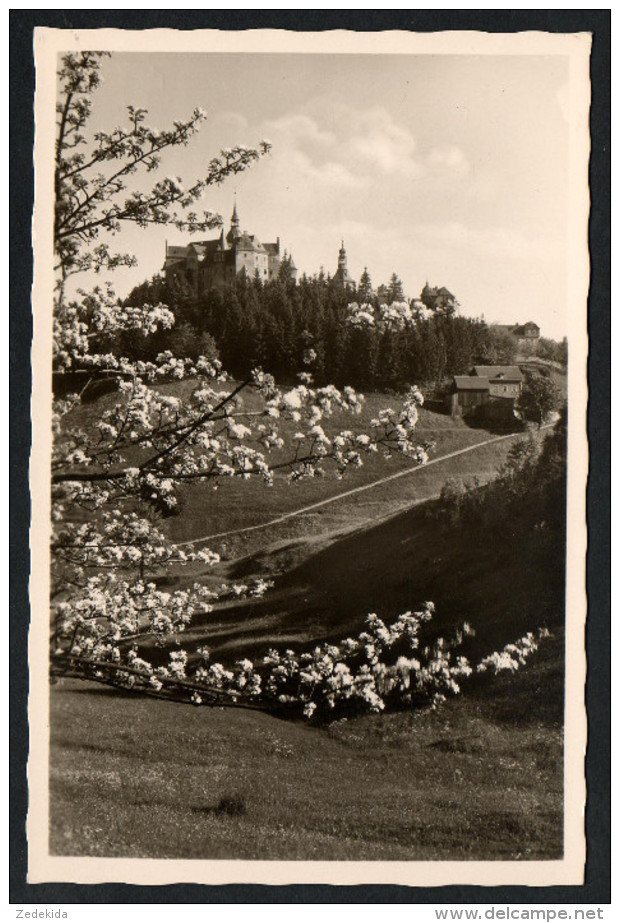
[(480, 778)]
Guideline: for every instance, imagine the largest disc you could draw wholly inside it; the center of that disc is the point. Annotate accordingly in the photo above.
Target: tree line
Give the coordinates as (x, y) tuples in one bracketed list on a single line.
[(282, 326)]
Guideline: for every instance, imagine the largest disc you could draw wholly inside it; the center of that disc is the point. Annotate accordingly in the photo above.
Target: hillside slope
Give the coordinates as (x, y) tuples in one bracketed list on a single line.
[(479, 779), (325, 590)]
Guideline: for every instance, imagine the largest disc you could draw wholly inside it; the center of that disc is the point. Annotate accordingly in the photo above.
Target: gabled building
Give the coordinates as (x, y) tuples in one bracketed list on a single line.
[(491, 391), (206, 264), (439, 300), (526, 336)]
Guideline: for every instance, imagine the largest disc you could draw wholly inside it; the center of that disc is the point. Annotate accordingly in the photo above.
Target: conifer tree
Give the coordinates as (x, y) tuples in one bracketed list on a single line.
[(395, 290), (364, 289)]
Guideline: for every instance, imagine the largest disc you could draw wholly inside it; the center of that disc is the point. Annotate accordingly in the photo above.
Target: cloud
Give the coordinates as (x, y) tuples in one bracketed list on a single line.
[(449, 158), (336, 144), (377, 143)]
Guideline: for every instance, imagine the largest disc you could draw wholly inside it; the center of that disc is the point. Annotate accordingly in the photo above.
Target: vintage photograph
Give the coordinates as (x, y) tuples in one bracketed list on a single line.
[(309, 413)]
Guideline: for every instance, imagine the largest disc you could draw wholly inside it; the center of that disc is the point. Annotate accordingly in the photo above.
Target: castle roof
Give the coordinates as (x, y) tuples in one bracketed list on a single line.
[(170, 262), (249, 242), (202, 247)]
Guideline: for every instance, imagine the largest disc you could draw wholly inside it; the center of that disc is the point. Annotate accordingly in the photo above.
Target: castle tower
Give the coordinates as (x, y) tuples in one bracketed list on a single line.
[(235, 229), (342, 276), (342, 260)]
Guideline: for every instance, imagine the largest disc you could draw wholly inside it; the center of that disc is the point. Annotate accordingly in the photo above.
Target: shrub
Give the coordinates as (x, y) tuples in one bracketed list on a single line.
[(233, 805)]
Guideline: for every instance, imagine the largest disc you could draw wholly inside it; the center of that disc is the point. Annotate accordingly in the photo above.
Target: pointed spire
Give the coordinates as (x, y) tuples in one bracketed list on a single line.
[(235, 232)]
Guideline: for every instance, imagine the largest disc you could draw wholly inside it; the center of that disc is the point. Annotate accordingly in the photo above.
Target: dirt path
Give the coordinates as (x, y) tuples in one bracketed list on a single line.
[(350, 493)]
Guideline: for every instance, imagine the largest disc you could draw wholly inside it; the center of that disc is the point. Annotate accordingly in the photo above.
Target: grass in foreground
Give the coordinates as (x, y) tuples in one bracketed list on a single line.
[(480, 778)]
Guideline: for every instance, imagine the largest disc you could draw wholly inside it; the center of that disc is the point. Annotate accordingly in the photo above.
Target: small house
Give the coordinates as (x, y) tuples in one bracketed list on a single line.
[(489, 393), (504, 380)]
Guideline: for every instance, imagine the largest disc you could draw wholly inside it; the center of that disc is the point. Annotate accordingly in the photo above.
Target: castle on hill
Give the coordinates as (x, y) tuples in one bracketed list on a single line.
[(206, 264)]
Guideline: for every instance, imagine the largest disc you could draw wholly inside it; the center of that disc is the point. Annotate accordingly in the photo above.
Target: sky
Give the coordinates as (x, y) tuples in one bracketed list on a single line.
[(451, 169)]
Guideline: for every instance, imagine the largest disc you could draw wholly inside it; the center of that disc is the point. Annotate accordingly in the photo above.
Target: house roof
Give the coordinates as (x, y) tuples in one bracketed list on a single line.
[(520, 329), (506, 372), (470, 383)]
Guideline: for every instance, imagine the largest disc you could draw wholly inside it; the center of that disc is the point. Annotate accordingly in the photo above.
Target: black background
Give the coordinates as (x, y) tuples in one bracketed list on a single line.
[(596, 889)]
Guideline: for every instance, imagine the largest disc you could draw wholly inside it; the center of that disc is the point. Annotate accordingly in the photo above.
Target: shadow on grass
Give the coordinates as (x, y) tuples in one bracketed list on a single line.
[(233, 805), (493, 427)]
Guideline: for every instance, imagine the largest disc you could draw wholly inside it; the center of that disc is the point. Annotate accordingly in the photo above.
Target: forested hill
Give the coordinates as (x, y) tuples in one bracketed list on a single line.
[(286, 327)]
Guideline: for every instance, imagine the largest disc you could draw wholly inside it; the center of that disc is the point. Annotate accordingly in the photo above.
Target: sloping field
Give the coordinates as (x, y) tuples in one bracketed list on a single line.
[(479, 779), (333, 565), (237, 505), (325, 589)]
